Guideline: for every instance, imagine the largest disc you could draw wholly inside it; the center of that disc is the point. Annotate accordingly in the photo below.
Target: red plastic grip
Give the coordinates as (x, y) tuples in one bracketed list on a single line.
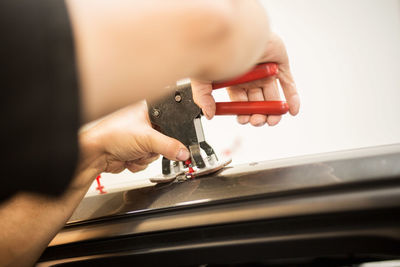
[(260, 71), (252, 107)]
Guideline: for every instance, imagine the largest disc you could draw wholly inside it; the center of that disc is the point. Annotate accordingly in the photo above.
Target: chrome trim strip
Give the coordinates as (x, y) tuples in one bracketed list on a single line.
[(263, 209)]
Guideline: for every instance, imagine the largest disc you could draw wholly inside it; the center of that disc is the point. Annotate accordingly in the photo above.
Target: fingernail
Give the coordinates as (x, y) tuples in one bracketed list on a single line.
[(243, 119), (296, 104), (183, 154)]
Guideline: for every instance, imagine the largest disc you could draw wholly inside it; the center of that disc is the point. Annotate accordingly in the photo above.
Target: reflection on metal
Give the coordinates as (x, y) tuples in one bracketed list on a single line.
[(368, 180), (393, 263), (249, 180), (206, 214), (193, 202), (199, 129)]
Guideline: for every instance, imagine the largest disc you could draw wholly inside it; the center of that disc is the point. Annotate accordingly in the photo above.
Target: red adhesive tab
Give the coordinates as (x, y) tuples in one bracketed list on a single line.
[(99, 186), (260, 71), (252, 107), (189, 164)]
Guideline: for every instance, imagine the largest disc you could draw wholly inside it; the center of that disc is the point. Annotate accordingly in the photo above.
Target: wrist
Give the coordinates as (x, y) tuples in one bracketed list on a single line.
[(91, 160), (91, 149)]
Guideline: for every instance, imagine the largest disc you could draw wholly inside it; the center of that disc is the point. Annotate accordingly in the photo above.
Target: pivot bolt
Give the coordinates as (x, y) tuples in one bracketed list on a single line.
[(178, 98), (156, 112)]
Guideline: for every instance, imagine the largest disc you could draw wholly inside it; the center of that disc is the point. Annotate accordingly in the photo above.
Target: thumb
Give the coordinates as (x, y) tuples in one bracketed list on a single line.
[(167, 146), (203, 98)]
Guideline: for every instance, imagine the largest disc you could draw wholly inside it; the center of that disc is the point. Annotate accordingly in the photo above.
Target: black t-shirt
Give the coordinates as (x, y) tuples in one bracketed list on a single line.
[(39, 103)]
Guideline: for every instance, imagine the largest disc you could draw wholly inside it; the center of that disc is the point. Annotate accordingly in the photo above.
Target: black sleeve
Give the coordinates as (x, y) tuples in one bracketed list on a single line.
[(39, 102)]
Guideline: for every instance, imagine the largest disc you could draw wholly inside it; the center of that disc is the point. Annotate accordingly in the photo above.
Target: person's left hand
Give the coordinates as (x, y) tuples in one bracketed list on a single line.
[(260, 90), (126, 139)]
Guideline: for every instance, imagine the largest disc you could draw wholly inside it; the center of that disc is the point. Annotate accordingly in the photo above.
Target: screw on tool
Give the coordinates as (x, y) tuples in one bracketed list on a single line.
[(190, 173), (156, 112), (178, 97)]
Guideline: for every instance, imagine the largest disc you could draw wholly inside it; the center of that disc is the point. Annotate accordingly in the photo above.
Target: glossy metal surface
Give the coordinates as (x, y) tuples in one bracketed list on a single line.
[(249, 180), (340, 182)]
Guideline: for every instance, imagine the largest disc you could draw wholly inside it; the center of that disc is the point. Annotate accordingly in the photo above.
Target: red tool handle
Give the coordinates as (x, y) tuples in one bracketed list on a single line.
[(261, 71), (252, 107)]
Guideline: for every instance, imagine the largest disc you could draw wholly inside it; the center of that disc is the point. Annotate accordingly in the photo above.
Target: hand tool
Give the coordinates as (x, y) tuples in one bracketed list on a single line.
[(179, 117)]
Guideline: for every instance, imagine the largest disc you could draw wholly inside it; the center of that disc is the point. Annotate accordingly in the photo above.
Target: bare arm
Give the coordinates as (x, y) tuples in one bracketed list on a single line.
[(30, 222), (125, 139), (130, 50)]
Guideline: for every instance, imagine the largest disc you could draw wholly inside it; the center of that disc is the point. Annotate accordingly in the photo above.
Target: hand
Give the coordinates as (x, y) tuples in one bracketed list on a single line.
[(261, 90), (126, 139)]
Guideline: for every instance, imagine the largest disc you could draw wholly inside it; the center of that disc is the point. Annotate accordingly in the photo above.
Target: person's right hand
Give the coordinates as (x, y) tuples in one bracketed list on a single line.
[(260, 90), (126, 139)]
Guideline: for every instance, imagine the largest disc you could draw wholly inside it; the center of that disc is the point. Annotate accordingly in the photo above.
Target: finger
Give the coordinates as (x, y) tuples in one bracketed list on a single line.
[(145, 160), (239, 94), (256, 94), (271, 92), (203, 98), (289, 89), (167, 146), (133, 167)]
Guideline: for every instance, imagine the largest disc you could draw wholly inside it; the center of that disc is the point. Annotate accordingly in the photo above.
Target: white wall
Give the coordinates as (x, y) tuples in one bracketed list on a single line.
[(345, 57)]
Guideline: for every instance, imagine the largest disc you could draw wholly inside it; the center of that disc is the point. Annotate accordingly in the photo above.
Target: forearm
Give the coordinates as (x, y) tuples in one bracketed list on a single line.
[(128, 51), (30, 221)]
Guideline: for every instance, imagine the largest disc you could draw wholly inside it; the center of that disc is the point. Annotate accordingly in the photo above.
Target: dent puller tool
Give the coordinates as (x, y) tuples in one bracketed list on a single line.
[(177, 116)]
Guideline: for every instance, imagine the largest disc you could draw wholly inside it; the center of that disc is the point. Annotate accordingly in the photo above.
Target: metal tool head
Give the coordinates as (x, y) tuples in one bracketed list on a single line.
[(185, 173), (174, 114), (177, 116)]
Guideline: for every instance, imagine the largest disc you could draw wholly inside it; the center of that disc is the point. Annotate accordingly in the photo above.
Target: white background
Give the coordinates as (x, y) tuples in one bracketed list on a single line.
[(345, 57)]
